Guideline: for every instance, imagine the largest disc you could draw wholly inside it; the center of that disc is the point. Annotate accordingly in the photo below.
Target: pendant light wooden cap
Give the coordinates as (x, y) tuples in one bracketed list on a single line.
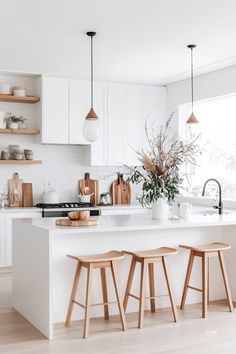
[(91, 114), (192, 119)]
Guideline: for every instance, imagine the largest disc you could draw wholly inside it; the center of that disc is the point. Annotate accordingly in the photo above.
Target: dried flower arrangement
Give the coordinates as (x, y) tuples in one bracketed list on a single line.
[(160, 171)]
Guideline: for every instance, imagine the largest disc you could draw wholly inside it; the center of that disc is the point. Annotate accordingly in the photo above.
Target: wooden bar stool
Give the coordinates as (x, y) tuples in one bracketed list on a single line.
[(205, 252), (100, 261), (147, 259)]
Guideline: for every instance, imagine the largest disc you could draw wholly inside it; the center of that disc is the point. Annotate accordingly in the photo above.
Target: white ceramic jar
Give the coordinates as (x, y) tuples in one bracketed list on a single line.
[(19, 91)]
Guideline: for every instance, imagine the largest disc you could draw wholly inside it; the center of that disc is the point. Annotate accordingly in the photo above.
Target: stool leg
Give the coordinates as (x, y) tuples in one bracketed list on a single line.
[(174, 310), (129, 282), (142, 293), (151, 285), (73, 294), (187, 278), (87, 301), (226, 280), (204, 284), (208, 281), (120, 304), (104, 292)]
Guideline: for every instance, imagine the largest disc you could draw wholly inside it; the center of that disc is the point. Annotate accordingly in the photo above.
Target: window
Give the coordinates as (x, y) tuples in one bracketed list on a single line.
[(217, 126)]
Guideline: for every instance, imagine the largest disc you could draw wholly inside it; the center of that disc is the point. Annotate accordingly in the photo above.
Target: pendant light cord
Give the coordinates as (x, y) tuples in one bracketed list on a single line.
[(192, 76), (91, 72)]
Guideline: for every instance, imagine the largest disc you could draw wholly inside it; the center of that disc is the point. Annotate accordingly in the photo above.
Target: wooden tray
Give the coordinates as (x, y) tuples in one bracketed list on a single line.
[(76, 223)]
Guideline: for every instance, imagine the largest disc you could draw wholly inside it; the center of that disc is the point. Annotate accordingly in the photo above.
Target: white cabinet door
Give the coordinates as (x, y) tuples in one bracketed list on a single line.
[(115, 124), (8, 231), (2, 241), (55, 110), (155, 110), (133, 124), (79, 108)]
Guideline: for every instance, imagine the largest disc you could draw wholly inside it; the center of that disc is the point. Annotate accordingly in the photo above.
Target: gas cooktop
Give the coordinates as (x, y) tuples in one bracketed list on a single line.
[(69, 205)]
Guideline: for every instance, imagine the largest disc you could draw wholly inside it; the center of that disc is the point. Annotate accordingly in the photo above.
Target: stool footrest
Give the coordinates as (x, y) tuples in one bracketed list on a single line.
[(193, 288), (98, 304), (147, 297)]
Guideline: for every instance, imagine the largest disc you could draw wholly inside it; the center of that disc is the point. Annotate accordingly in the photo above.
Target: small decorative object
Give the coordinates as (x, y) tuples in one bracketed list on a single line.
[(15, 191), (160, 171), (5, 155), (2, 120), (18, 154), (12, 149), (5, 89), (15, 122), (19, 91), (28, 154)]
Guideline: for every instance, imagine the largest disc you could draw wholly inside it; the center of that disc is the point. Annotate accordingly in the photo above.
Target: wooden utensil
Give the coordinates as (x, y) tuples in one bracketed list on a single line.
[(77, 223), (27, 195), (15, 191), (120, 191), (89, 186)]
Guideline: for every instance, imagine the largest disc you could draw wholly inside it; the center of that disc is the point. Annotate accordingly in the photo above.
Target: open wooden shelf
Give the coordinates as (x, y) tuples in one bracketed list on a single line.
[(20, 131), (20, 162), (18, 99)]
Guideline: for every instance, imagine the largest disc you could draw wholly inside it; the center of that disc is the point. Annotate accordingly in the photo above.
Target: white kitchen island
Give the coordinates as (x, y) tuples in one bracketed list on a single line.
[(43, 275)]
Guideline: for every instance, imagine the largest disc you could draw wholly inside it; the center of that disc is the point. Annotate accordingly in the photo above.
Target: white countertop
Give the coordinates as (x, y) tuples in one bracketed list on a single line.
[(134, 223)]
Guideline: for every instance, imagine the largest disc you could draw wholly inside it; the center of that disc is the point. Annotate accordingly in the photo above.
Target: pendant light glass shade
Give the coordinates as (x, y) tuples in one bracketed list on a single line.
[(192, 120), (91, 126)]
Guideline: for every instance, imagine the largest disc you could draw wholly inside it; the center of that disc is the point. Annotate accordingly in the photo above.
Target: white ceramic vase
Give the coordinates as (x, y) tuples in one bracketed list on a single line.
[(160, 209)]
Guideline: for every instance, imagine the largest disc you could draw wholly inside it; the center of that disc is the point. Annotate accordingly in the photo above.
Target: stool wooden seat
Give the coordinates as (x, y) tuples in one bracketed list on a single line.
[(147, 258), (90, 262), (214, 249)]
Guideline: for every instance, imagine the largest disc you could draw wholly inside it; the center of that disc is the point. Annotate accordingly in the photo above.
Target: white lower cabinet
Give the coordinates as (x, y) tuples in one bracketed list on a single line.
[(7, 221)]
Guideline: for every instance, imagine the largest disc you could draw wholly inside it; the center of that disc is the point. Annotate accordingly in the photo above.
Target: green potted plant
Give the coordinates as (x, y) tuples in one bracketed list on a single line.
[(15, 122), (160, 170)]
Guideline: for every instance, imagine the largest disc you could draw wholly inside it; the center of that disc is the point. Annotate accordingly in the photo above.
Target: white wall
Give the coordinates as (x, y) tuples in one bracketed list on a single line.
[(217, 83)]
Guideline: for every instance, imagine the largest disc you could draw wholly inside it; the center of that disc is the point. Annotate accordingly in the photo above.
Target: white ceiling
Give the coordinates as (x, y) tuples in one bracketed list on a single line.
[(137, 40)]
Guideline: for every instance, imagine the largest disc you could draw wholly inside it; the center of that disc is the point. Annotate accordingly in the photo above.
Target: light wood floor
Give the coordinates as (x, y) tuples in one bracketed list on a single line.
[(216, 334)]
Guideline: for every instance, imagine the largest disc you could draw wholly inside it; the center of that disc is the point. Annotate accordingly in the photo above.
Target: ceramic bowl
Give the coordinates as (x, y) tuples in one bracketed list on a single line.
[(79, 215)]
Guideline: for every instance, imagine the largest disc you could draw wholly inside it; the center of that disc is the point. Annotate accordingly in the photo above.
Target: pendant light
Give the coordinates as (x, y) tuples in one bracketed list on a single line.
[(91, 127), (192, 120)]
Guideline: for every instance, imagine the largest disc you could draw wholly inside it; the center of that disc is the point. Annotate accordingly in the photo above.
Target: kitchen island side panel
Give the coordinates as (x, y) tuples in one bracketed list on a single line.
[(31, 293)]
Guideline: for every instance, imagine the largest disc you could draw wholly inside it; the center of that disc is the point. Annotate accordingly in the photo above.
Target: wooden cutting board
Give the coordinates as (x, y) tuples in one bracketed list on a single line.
[(93, 186), (120, 191), (76, 223), (27, 195), (15, 191)]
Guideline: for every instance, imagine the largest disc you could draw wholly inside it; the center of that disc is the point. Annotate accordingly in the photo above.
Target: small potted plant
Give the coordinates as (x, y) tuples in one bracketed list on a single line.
[(15, 122), (160, 170)]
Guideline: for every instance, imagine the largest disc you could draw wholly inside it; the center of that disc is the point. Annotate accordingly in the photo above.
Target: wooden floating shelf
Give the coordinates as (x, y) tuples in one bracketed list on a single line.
[(19, 99), (20, 131), (20, 162)]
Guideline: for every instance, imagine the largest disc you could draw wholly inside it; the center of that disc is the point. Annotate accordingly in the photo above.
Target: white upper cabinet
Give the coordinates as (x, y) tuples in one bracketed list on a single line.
[(133, 123), (55, 110), (115, 124), (79, 108)]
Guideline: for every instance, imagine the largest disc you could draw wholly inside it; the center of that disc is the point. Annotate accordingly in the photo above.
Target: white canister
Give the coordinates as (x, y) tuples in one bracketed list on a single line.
[(19, 91), (185, 210), (2, 122), (5, 89), (51, 198), (160, 209)]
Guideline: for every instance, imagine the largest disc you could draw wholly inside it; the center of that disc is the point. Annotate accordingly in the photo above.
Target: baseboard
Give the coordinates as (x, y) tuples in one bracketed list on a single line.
[(4, 270)]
